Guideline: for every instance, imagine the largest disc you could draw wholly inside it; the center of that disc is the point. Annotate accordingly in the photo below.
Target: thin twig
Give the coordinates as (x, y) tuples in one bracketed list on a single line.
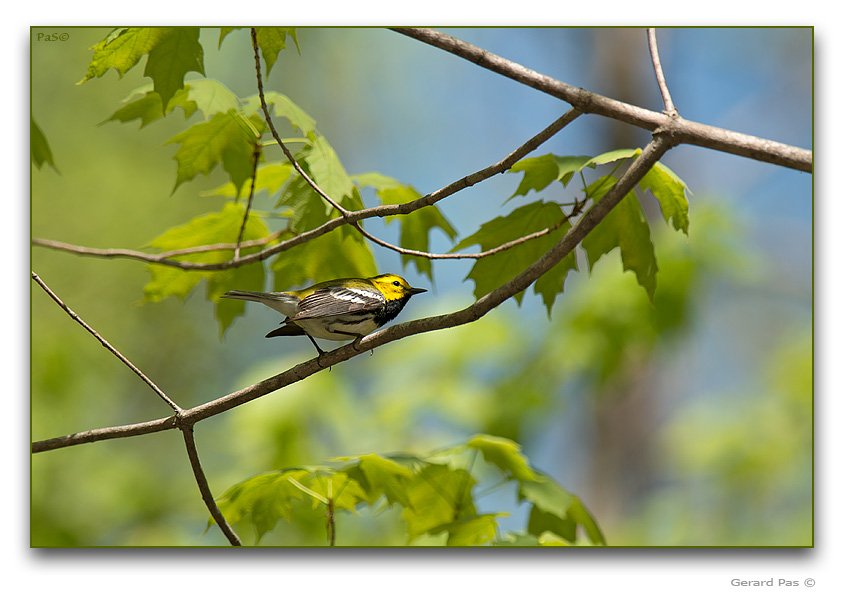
[(204, 489), (280, 142), (640, 166), (330, 523), (475, 256), (94, 435), (669, 110), (106, 344), (256, 153), (160, 258)]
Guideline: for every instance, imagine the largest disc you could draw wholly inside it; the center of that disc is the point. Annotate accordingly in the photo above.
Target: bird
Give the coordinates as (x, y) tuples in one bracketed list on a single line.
[(340, 309)]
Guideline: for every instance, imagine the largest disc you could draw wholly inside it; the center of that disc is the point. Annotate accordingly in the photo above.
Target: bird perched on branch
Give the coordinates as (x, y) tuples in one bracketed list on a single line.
[(341, 309)]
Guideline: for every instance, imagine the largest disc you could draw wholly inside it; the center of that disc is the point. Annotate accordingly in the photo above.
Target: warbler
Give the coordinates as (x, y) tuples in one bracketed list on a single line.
[(341, 309)]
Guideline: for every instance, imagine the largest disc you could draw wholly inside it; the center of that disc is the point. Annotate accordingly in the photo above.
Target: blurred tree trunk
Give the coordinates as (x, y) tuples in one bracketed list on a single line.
[(622, 468)]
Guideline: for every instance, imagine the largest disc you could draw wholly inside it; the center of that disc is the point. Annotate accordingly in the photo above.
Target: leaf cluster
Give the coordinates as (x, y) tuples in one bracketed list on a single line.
[(437, 495), (232, 136), (625, 227)]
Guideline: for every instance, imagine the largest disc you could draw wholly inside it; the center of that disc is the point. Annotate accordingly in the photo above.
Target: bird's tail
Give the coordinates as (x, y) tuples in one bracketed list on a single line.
[(284, 303)]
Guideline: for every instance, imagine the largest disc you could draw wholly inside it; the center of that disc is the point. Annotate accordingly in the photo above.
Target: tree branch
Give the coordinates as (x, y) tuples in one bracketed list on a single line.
[(478, 255), (256, 153), (92, 435), (670, 110), (204, 489), (685, 132), (162, 258)]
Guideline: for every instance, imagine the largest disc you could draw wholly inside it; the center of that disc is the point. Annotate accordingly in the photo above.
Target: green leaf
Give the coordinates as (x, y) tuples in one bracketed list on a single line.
[(122, 49), (670, 191), (172, 53), (546, 495), (624, 227), (579, 513), (168, 281), (513, 539), (469, 531), (492, 271), (307, 208), (210, 97), (247, 278), (541, 521), (328, 484), (227, 138), (271, 40), (388, 189), (384, 476), (415, 235), (310, 210), (438, 495), (333, 255), (326, 170), (551, 284), (224, 31), (596, 190), (505, 454), (616, 155), (281, 106), (263, 500), (540, 172), (39, 148), (208, 229), (379, 181), (557, 510), (551, 539), (269, 177), (148, 107), (172, 57)]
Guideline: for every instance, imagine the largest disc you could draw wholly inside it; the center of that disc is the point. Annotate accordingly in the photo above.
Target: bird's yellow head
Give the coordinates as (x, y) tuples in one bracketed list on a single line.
[(394, 287)]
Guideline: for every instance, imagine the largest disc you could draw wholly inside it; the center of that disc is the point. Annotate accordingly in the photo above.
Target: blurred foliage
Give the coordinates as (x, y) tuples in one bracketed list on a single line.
[(39, 150), (435, 493), (738, 465), (603, 397)]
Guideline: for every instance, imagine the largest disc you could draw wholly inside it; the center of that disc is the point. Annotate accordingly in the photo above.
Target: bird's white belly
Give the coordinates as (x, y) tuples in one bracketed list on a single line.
[(349, 326)]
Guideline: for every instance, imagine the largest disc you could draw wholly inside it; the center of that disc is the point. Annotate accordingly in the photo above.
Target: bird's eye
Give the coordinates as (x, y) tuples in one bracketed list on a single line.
[(397, 283)]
